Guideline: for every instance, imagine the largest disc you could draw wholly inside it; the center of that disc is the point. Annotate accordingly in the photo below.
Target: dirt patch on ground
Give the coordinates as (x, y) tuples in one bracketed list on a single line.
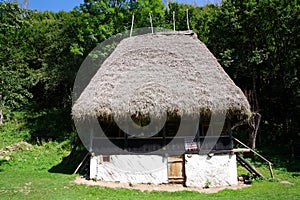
[(286, 182), (20, 146), (151, 187)]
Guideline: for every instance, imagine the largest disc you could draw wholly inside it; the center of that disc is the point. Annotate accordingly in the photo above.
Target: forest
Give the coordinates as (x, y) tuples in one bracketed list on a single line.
[(255, 41)]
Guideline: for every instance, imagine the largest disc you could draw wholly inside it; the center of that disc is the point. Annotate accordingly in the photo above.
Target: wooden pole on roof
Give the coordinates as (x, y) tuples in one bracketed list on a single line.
[(151, 22), (187, 19), (132, 22), (174, 21)]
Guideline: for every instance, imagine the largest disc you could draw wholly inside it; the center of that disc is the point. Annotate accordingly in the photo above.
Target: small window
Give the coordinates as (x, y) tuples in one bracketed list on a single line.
[(104, 159)]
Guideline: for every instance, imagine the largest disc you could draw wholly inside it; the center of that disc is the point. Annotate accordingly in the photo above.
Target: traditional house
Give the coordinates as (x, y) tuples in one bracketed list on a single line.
[(170, 77)]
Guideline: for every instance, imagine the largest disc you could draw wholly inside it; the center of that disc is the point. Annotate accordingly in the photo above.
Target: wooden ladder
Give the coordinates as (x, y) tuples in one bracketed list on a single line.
[(248, 166), (245, 161)]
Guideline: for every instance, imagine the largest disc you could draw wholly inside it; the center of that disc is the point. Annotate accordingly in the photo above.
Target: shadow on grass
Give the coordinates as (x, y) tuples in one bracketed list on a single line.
[(53, 124), (3, 161), (69, 164), (43, 124), (291, 164)]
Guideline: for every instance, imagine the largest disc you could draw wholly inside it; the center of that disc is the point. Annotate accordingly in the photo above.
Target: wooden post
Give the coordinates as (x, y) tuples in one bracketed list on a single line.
[(271, 170), (198, 137), (1, 117), (151, 22), (75, 172), (229, 132), (187, 19), (1, 110), (164, 137), (126, 139), (174, 21), (132, 22), (91, 141)]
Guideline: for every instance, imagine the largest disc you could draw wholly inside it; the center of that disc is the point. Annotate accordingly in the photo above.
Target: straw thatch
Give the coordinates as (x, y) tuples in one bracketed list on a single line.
[(158, 73)]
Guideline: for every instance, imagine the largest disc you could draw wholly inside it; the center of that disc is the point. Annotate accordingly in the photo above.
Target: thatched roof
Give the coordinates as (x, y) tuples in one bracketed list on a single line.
[(157, 73)]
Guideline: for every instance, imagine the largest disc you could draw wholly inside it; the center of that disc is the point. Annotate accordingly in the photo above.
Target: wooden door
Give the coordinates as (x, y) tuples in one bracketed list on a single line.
[(176, 169)]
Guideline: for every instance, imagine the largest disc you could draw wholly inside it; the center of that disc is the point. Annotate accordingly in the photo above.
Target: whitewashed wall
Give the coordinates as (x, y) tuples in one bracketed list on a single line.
[(218, 170), (200, 170), (131, 169)]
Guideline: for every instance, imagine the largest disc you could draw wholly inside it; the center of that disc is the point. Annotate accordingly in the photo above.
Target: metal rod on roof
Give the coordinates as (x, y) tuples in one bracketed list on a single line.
[(151, 22), (174, 21), (132, 22), (187, 19)]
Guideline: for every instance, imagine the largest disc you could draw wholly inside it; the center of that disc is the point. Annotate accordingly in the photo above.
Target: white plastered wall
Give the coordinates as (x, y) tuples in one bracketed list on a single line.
[(200, 170), (206, 171), (131, 169)]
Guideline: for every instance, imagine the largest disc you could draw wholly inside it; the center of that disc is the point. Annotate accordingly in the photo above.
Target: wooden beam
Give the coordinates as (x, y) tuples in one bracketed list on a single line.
[(75, 172), (248, 166), (252, 150), (270, 164), (232, 151)]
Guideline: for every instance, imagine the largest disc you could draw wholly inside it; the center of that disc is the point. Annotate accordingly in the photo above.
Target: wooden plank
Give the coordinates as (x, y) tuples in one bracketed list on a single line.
[(176, 169), (176, 181), (248, 166), (252, 150), (228, 151), (155, 145), (75, 172), (175, 177), (241, 150), (175, 159)]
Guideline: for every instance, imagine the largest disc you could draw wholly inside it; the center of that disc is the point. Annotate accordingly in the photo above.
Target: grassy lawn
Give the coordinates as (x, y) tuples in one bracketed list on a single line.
[(26, 176)]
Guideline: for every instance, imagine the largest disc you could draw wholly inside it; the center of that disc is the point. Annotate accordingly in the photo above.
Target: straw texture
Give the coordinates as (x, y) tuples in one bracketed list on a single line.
[(157, 73)]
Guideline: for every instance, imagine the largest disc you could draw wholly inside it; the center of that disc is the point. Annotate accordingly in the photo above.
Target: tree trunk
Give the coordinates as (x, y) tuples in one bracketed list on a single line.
[(254, 125), (1, 117)]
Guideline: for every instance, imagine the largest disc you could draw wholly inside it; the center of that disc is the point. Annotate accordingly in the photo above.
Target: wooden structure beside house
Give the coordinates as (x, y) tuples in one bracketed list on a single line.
[(171, 76)]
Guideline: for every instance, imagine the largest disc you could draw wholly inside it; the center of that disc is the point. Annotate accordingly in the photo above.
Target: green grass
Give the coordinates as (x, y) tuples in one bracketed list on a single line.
[(26, 176), (13, 131)]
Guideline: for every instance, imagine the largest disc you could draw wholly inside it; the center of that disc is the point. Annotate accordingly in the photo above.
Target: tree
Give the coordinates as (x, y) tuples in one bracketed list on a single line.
[(16, 77), (142, 10), (51, 38), (256, 43)]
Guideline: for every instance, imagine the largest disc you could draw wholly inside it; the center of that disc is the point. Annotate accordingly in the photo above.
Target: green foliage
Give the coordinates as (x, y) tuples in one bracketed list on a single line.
[(255, 41), (14, 130), (51, 39), (16, 77), (142, 10)]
